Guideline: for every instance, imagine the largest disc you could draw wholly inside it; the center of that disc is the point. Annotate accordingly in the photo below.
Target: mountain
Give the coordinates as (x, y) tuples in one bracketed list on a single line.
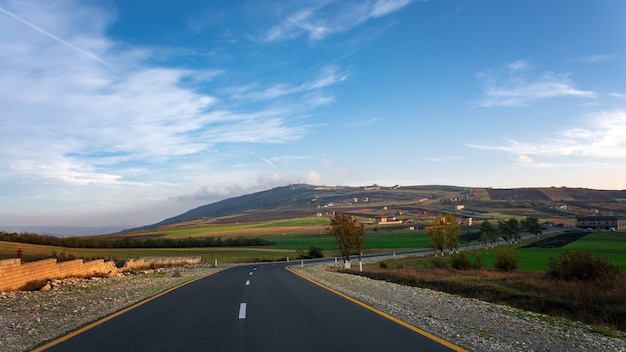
[(304, 200)]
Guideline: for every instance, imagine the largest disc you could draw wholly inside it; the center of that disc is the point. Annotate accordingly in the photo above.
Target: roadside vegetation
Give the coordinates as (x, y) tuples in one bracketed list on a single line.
[(575, 283), (129, 242)]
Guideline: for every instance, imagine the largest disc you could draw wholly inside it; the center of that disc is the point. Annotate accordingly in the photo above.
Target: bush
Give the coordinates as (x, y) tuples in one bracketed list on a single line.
[(383, 265), (506, 259), (313, 252), (462, 261), (581, 265), (438, 263)]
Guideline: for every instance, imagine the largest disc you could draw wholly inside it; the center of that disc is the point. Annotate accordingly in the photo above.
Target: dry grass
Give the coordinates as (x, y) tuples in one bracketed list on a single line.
[(600, 303)]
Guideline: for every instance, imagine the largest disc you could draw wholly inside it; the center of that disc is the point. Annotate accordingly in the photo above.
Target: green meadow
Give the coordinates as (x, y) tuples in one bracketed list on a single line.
[(286, 246), (243, 229), (374, 242), (609, 245)]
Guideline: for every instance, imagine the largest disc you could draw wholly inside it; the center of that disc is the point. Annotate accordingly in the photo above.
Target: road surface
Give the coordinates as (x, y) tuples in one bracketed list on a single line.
[(260, 307)]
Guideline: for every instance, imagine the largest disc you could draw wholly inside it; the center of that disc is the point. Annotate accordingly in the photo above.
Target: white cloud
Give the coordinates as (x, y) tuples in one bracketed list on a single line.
[(602, 136), (327, 76), (450, 14), (518, 65), (67, 117), (54, 37), (524, 159), (592, 59), (267, 161), (518, 87), (314, 178), (321, 20), (383, 7)]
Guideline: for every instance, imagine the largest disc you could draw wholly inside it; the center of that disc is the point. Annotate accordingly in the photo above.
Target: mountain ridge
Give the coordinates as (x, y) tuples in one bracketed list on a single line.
[(299, 199)]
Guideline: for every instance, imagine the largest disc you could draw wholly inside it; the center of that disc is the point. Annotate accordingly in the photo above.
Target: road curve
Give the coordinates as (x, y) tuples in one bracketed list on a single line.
[(249, 308)]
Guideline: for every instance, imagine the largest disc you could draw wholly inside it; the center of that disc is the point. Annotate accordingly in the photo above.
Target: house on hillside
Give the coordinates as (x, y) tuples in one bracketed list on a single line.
[(466, 221), (601, 222)]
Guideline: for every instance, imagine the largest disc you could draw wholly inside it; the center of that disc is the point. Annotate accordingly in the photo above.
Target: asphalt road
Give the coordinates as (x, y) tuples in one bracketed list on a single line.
[(250, 308)]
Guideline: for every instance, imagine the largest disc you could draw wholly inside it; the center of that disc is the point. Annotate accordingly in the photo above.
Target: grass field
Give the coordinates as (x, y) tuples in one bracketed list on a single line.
[(609, 245), (286, 246), (600, 303), (32, 252), (373, 241), (262, 228)]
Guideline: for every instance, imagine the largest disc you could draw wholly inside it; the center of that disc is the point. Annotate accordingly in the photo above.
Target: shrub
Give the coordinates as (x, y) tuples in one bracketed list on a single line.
[(383, 265), (581, 265), (438, 263), (506, 259), (462, 261), (313, 252)]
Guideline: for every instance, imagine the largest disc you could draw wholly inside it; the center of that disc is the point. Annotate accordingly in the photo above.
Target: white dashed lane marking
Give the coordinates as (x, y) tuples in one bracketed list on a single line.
[(242, 311)]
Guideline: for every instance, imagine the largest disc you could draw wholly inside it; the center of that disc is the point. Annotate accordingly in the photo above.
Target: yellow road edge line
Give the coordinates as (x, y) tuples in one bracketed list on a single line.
[(388, 316), (116, 314)]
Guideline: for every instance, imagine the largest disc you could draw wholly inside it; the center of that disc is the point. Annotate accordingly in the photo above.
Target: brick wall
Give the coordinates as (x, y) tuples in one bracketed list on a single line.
[(17, 276)]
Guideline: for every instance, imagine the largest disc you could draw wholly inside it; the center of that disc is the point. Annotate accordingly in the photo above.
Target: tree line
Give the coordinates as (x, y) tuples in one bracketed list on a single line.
[(444, 231), (129, 242)]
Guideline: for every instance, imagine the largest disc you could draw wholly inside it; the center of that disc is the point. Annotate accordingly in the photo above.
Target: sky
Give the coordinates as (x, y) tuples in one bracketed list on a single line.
[(132, 111)]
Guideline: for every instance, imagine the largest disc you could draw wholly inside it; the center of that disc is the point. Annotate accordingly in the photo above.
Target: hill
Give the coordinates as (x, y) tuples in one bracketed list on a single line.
[(300, 200)]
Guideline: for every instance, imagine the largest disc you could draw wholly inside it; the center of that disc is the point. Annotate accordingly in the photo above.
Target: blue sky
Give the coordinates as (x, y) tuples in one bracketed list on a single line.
[(128, 112)]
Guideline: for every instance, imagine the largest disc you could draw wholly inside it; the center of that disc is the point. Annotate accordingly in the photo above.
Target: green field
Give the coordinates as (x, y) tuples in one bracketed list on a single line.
[(244, 229), (286, 246), (609, 245), (373, 241)]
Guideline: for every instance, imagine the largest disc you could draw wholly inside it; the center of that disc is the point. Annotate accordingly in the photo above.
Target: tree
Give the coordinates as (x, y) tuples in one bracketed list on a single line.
[(444, 232), (349, 235), (510, 229), (504, 229), (514, 226), (488, 232), (531, 224)]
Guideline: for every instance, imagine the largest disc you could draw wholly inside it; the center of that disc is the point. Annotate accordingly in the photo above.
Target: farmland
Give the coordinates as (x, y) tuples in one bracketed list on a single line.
[(286, 246), (600, 302)]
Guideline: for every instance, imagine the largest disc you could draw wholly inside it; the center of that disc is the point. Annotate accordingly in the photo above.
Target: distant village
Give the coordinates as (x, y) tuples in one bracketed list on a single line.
[(595, 221)]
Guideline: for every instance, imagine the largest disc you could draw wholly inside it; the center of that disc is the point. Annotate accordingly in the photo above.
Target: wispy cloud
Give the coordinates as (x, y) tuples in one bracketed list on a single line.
[(602, 136), (54, 37), (592, 59), (268, 162), (69, 118), (450, 14), (324, 19), (366, 122), (516, 86), (327, 76), (444, 158), (518, 65)]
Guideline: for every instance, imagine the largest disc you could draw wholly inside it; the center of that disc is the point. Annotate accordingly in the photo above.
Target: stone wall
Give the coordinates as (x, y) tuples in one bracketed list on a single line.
[(17, 276), (157, 262)]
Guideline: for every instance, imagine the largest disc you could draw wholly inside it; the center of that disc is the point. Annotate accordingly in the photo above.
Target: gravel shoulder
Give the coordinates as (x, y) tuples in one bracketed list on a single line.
[(31, 318), (469, 323), (28, 319)]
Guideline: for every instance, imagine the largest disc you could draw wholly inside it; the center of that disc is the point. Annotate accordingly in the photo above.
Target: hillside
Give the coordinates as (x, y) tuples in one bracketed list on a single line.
[(306, 200)]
